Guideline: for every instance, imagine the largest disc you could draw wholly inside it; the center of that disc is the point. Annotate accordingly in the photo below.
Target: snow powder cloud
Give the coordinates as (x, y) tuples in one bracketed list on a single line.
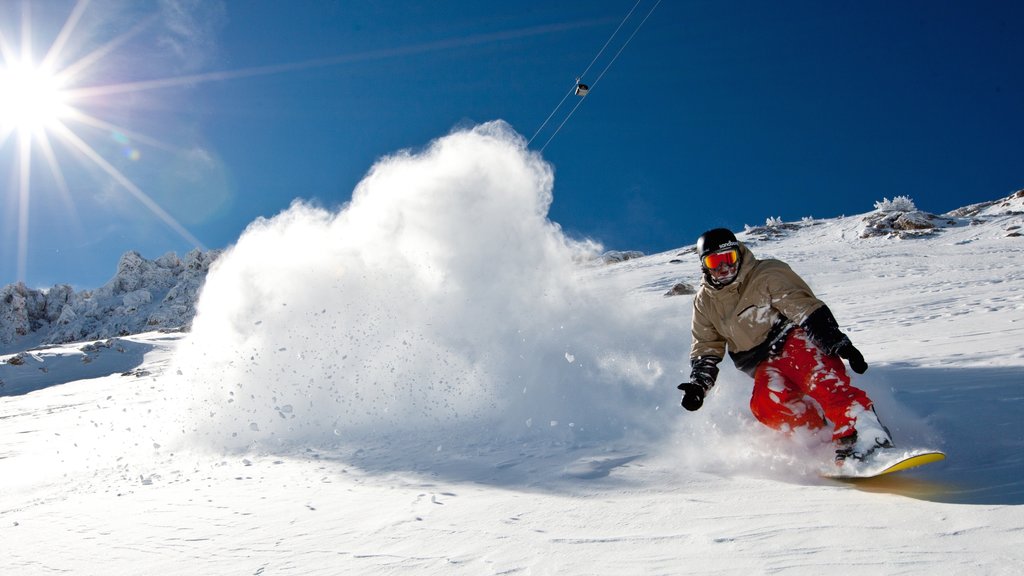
[(440, 298)]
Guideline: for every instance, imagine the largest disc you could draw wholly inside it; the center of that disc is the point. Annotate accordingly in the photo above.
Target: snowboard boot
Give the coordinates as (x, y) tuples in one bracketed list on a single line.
[(860, 447), (868, 437)]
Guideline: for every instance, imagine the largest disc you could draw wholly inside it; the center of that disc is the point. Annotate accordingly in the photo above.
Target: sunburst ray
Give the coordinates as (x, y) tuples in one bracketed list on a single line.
[(89, 152)]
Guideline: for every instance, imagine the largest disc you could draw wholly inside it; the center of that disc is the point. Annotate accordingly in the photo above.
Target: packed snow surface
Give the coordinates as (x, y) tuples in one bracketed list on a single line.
[(434, 379)]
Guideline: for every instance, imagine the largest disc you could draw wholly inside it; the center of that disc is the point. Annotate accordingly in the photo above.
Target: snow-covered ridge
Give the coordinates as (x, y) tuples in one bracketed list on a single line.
[(143, 295), (900, 218)]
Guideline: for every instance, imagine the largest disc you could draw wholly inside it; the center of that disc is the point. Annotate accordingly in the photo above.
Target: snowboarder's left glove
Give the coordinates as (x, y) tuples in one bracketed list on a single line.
[(853, 356), (823, 329)]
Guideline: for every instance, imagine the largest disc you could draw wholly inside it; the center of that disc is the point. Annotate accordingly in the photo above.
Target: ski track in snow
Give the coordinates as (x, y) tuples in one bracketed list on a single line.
[(939, 319)]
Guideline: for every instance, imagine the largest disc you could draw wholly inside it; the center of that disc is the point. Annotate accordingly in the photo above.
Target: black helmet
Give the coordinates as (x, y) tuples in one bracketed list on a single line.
[(715, 241)]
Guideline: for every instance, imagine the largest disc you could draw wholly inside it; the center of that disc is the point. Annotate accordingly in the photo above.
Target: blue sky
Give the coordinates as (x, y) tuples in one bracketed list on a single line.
[(211, 115)]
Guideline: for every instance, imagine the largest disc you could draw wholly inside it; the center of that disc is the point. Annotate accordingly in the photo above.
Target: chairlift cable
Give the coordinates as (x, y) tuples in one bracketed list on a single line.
[(548, 119), (601, 75), (626, 43), (609, 41), (581, 76)]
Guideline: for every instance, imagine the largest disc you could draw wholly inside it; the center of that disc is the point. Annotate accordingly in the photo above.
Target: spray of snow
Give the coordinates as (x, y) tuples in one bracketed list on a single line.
[(440, 298)]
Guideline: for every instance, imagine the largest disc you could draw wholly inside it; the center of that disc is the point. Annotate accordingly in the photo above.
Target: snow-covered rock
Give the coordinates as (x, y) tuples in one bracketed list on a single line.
[(773, 229), (900, 218), (143, 295), (682, 289), (902, 224), (614, 256), (1012, 205)]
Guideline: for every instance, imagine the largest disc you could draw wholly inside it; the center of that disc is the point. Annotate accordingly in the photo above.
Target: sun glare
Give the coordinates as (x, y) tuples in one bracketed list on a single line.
[(31, 98), (47, 118)]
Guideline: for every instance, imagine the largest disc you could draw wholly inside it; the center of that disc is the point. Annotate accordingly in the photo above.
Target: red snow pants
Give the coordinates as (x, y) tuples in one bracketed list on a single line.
[(805, 388)]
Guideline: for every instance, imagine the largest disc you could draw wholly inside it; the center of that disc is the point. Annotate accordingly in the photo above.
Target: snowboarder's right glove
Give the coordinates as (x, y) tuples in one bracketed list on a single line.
[(703, 372), (853, 356), (693, 395)]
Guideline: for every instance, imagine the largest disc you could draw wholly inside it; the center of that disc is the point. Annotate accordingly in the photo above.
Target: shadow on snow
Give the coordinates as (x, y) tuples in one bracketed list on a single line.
[(976, 413)]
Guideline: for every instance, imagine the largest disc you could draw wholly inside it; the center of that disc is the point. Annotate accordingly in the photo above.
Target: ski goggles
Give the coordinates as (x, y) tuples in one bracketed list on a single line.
[(716, 259)]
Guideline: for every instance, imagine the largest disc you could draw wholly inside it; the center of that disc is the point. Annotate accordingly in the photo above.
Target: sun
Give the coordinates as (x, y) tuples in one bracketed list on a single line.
[(32, 98), (52, 111)]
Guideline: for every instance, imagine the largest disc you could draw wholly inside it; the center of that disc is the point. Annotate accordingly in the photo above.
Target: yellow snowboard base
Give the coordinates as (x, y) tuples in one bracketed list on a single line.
[(886, 464)]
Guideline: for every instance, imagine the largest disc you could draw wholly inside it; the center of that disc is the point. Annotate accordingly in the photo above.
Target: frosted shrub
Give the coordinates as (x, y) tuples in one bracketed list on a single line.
[(773, 222), (897, 204)]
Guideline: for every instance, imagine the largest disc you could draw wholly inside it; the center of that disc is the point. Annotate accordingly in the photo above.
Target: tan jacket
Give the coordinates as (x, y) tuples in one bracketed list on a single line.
[(766, 299)]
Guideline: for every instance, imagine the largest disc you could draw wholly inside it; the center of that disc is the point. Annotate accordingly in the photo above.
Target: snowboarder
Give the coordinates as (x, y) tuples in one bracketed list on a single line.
[(775, 330)]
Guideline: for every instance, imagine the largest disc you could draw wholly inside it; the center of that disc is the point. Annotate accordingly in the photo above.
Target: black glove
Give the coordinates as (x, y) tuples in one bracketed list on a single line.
[(854, 357), (693, 395), (704, 371), (824, 331)]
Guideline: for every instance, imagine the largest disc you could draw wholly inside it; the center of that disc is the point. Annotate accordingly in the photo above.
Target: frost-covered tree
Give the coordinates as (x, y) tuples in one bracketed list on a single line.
[(897, 204)]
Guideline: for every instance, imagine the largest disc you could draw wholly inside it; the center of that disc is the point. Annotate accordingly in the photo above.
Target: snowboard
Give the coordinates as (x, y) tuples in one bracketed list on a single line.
[(881, 463)]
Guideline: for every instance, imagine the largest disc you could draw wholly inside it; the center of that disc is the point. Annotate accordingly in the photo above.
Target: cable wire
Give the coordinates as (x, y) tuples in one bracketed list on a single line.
[(601, 75), (581, 76)]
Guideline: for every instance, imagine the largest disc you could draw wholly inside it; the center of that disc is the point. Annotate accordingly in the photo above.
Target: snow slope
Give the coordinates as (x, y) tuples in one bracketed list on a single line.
[(445, 389)]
